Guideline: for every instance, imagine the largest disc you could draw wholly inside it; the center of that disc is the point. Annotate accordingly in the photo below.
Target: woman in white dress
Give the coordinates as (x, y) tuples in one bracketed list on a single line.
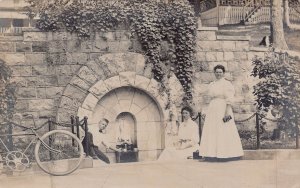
[(220, 138), (187, 139)]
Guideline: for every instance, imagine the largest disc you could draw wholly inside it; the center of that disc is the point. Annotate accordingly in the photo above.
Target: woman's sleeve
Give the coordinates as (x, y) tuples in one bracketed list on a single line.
[(229, 93)]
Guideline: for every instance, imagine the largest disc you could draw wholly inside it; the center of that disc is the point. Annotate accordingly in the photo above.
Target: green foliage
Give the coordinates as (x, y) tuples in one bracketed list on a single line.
[(152, 22), (7, 89), (279, 87)]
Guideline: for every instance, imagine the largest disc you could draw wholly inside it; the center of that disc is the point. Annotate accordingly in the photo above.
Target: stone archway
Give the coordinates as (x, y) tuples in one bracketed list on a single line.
[(147, 119), (99, 81)]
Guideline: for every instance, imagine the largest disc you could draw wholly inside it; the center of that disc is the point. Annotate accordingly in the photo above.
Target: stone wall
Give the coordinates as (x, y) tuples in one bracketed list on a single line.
[(43, 65), (58, 75), (40, 83)]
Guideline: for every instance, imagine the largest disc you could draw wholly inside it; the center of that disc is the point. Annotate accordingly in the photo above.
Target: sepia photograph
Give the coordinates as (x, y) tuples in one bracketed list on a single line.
[(149, 93)]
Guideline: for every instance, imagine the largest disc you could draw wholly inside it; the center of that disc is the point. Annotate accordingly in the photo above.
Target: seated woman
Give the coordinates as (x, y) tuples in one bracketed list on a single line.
[(187, 139)]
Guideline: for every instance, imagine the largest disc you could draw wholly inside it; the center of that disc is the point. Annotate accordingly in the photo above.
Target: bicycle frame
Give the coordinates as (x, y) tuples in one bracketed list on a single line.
[(34, 140)]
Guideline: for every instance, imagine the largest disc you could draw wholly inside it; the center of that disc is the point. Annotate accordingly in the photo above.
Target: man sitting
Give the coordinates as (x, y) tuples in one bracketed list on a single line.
[(101, 138)]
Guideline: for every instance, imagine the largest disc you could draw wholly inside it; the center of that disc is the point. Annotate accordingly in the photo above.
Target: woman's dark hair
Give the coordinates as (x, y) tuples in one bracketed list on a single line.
[(219, 67), (186, 108)]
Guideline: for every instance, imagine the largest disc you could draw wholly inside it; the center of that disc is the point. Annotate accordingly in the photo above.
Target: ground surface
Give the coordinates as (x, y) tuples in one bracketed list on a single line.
[(180, 174)]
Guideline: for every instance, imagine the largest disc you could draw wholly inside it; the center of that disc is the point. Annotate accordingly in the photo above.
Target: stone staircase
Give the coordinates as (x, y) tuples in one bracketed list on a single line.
[(255, 32)]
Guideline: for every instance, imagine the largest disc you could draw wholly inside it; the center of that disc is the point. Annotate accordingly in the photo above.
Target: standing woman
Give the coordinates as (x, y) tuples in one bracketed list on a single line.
[(220, 138)]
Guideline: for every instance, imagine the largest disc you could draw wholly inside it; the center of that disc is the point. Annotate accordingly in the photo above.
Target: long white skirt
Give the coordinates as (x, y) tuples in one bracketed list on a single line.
[(219, 139)]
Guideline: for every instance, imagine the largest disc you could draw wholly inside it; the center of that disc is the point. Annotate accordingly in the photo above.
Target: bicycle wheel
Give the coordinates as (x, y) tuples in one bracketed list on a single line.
[(58, 152)]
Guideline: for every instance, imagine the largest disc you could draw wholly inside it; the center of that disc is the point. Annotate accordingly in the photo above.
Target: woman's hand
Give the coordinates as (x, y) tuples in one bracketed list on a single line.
[(203, 116), (183, 144), (227, 115)]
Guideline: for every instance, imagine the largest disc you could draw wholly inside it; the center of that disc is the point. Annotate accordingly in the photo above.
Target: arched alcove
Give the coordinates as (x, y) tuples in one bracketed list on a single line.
[(113, 84), (126, 128)]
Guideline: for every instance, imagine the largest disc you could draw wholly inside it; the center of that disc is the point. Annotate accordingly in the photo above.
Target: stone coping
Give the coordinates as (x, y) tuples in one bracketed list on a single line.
[(226, 37), (272, 154), (259, 49), (207, 28), (30, 29)]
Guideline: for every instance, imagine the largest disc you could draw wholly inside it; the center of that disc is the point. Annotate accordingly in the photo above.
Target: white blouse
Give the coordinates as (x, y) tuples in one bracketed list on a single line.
[(222, 89), (188, 130)]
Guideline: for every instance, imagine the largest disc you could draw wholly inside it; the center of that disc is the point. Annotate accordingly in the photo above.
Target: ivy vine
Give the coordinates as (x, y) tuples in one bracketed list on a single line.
[(279, 88), (152, 22)]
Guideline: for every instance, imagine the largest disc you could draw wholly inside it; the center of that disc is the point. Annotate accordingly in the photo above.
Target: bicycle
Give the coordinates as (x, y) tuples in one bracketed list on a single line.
[(57, 152)]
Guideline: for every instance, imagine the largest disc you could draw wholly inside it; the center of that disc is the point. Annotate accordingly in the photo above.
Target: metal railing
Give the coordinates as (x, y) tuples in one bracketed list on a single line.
[(258, 118), (11, 29)]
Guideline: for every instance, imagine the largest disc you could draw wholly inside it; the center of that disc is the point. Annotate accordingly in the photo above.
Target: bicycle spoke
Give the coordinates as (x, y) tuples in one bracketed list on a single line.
[(55, 153)]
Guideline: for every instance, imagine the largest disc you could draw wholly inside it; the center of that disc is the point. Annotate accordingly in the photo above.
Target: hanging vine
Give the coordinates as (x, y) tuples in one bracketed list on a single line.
[(152, 22)]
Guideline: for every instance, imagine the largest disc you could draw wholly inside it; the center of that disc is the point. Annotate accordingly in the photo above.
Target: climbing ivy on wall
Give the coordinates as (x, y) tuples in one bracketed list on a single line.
[(7, 89), (152, 22)]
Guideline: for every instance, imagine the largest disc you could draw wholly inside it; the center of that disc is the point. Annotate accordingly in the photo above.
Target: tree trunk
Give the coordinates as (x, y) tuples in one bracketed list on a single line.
[(277, 31), (286, 13)]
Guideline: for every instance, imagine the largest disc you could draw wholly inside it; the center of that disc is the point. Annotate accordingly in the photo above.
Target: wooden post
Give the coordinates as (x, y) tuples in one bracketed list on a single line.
[(10, 144), (50, 138), (297, 138), (257, 131), (200, 128), (218, 12)]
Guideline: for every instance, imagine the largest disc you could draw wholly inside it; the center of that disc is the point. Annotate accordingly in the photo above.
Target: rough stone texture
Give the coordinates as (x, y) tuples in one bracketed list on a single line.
[(60, 36), (90, 102), (75, 93), (38, 46), (57, 46), (209, 46), (54, 92), (228, 45), (141, 82), (76, 75), (99, 89), (35, 36), (97, 70), (7, 47), (127, 78), (242, 45), (69, 103), (87, 74), (43, 70), (23, 47), (228, 56), (206, 35), (21, 70), (26, 92), (77, 58), (113, 82), (64, 115), (41, 104), (35, 58), (14, 58), (76, 81)]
